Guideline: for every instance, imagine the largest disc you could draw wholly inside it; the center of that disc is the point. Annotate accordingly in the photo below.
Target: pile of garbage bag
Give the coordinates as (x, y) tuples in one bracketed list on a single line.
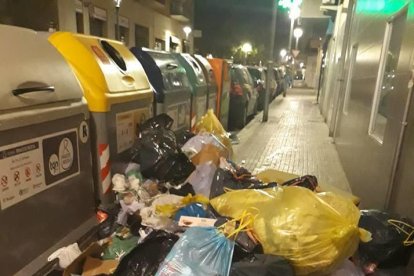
[(184, 207)]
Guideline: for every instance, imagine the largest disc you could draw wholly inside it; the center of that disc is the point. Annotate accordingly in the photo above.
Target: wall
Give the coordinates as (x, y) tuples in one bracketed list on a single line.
[(368, 163), (38, 14)]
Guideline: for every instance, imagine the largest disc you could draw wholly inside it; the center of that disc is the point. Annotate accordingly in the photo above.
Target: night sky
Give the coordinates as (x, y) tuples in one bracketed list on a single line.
[(228, 23)]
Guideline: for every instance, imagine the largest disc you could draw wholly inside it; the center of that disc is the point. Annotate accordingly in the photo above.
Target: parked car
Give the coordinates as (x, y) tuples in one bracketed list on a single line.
[(258, 75), (281, 83), (243, 97), (299, 79)]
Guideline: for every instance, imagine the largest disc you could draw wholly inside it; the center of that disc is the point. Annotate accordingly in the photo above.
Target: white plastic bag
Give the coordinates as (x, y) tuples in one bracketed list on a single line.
[(202, 177), (66, 255)]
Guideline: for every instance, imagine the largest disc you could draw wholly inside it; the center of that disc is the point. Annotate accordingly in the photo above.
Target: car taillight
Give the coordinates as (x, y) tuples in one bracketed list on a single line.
[(236, 90)]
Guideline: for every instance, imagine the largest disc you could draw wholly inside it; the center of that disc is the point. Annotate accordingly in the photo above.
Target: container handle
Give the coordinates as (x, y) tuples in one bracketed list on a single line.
[(171, 66), (21, 91)]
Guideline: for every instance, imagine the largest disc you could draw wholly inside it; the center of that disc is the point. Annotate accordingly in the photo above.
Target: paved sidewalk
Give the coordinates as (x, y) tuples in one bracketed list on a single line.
[(295, 140)]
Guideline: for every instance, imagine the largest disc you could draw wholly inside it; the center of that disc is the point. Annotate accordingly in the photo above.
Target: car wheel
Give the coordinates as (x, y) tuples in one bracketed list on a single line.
[(255, 108), (243, 118)]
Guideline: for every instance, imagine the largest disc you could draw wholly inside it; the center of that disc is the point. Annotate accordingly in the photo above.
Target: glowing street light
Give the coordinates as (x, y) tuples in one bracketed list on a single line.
[(187, 30), (246, 49), (294, 13), (297, 33), (283, 53)]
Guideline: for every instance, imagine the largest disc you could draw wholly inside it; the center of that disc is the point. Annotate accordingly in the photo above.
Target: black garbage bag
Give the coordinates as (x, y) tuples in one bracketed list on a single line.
[(391, 243), (306, 181), (241, 179), (263, 265), (183, 137), (157, 152), (145, 259)]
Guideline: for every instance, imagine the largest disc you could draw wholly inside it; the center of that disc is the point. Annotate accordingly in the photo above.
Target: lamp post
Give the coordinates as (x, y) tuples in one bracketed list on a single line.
[(187, 30), (270, 63), (246, 49), (118, 29), (294, 13), (297, 33)]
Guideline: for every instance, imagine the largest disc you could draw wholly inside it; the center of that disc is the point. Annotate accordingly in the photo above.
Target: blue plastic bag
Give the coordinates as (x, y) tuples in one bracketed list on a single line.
[(201, 251), (191, 210)]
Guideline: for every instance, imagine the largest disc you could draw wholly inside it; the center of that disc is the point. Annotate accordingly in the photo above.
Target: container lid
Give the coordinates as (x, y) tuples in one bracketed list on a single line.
[(107, 70), (207, 69), (163, 70), (33, 72), (194, 70)]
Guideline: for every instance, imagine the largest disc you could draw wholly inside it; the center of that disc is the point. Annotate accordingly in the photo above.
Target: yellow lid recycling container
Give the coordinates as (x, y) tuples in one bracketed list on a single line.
[(119, 97)]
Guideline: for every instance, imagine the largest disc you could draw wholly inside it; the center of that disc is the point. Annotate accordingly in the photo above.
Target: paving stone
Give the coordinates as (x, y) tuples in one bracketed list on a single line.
[(295, 140)]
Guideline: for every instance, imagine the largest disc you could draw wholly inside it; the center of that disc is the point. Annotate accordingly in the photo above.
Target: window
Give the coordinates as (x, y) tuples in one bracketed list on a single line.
[(349, 77), (384, 87), (141, 36), (97, 22), (79, 23), (123, 30), (124, 34), (159, 44)]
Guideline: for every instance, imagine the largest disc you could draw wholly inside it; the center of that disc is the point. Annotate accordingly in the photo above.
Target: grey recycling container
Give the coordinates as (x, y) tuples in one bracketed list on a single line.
[(46, 190)]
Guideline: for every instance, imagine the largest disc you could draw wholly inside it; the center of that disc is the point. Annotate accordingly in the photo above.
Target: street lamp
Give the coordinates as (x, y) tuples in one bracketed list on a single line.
[(187, 30), (283, 53), (246, 49), (118, 30), (297, 33), (294, 13)]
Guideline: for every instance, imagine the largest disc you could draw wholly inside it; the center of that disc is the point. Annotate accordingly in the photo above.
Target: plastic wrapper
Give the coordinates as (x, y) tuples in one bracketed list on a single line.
[(266, 265), (145, 259), (205, 147), (119, 247), (157, 152), (392, 241), (225, 180), (315, 232), (191, 210), (199, 252), (308, 181), (169, 210), (210, 124), (151, 218)]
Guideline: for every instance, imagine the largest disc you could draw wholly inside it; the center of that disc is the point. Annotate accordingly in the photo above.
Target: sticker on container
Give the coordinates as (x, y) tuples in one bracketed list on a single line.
[(31, 166), (201, 106), (126, 127), (84, 132), (100, 54)]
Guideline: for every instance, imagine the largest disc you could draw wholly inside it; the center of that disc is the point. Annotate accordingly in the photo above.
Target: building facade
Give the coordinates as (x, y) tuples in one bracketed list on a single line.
[(156, 24)]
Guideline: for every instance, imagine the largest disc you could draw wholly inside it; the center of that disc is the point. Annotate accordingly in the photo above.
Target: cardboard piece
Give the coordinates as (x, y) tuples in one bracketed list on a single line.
[(186, 221), (209, 153), (94, 250), (94, 266)]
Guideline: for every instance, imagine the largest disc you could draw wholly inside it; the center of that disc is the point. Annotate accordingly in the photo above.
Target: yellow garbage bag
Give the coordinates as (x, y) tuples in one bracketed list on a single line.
[(210, 124), (272, 175), (315, 232)]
